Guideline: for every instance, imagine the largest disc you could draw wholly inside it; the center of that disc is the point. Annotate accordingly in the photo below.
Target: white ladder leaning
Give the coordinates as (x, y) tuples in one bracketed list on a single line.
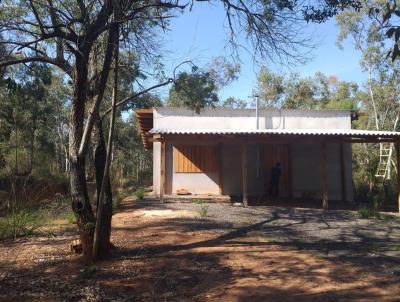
[(385, 157), (385, 160)]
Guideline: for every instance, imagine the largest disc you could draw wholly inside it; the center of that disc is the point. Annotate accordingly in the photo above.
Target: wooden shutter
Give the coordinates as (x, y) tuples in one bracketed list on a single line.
[(196, 159)]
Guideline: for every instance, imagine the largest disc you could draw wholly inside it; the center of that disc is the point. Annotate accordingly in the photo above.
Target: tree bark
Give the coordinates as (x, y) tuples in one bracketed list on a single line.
[(104, 209), (100, 155), (79, 195)]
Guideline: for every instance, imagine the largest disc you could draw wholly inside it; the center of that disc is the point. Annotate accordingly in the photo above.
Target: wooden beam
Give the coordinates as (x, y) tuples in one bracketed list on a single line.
[(398, 175), (324, 177), (343, 173), (244, 175), (162, 171)]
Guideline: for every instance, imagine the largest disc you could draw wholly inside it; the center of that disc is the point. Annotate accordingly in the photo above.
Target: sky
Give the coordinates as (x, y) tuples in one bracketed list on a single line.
[(200, 34)]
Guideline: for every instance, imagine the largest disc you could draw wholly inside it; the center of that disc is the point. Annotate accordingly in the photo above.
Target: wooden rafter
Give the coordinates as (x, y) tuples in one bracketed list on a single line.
[(144, 118)]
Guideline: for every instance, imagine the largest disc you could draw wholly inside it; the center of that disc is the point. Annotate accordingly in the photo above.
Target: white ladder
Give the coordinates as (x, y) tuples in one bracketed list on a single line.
[(385, 160), (385, 157)]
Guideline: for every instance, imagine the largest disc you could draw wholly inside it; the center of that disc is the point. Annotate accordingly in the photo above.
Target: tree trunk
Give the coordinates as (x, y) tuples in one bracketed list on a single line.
[(81, 206), (79, 195), (31, 150), (100, 154)]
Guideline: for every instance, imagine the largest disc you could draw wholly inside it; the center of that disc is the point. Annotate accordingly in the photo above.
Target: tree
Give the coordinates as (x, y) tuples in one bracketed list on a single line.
[(384, 14), (234, 103), (194, 91), (67, 35), (380, 100), (200, 88), (300, 93), (269, 88)]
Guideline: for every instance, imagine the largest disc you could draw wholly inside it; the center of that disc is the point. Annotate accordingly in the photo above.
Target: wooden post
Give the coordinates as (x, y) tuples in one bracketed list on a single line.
[(343, 173), (220, 169), (324, 177), (398, 174), (162, 171), (244, 174), (290, 170)]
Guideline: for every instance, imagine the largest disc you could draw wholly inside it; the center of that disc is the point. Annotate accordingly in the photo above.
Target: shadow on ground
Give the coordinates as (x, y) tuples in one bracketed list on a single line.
[(232, 254)]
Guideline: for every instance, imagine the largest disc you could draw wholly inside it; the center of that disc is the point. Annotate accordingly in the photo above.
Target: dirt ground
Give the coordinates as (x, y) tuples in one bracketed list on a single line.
[(213, 252)]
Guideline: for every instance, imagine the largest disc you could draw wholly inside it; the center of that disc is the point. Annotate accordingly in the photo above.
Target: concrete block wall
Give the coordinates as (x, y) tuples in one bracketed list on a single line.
[(306, 169), (306, 172), (245, 119)]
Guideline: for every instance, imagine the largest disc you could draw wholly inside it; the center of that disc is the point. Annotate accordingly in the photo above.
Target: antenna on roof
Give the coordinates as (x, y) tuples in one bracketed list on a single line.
[(257, 122), (256, 96)]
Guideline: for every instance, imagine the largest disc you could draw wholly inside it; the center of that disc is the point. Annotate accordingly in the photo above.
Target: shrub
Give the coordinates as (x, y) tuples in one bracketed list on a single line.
[(19, 223), (202, 208), (365, 212), (70, 216), (139, 193), (369, 212)]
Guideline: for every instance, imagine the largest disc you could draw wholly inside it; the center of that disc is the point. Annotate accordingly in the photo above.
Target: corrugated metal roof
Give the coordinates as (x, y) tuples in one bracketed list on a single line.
[(315, 132)]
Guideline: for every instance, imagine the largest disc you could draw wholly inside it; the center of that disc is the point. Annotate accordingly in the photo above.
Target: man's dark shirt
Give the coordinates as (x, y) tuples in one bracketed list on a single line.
[(275, 174)]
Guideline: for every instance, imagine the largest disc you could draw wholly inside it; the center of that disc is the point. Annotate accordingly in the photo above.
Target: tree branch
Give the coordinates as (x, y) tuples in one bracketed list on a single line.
[(133, 96)]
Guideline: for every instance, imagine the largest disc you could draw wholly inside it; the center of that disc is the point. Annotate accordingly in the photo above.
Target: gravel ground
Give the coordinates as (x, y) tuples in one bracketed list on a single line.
[(334, 232)]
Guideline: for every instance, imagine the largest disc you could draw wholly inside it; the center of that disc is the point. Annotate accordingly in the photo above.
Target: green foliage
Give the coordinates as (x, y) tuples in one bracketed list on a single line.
[(223, 72), (202, 208), (193, 91), (234, 103), (199, 88), (139, 193), (70, 217), (269, 89), (294, 92), (132, 164), (366, 212), (32, 120), (20, 223), (89, 226)]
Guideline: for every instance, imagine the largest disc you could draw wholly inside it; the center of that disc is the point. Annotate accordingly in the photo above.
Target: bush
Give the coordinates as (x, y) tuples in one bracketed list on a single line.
[(19, 223), (139, 193), (369, 212), (202, 208), (365, 212), (117, 200), (70, 216)]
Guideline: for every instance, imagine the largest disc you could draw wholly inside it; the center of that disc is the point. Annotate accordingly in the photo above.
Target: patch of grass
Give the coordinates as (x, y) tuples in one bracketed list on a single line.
[(24, 222), (202, 208), (70, 217), (365, 212), (117, 200), (20, 223), (139, 193), (371, 212)]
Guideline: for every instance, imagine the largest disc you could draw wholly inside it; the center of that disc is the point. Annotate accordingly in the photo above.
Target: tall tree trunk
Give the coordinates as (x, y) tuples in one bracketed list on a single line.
[(31, 150), (100, 155), (102, 229), (79, 194)]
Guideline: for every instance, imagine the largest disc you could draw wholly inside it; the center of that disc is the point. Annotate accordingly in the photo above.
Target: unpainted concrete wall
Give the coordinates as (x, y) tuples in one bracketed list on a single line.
[(245, 119), (306, 169), (306, 172)]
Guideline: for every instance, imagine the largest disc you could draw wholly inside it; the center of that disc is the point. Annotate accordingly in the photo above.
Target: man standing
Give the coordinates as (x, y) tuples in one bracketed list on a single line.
[(275, 176)]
